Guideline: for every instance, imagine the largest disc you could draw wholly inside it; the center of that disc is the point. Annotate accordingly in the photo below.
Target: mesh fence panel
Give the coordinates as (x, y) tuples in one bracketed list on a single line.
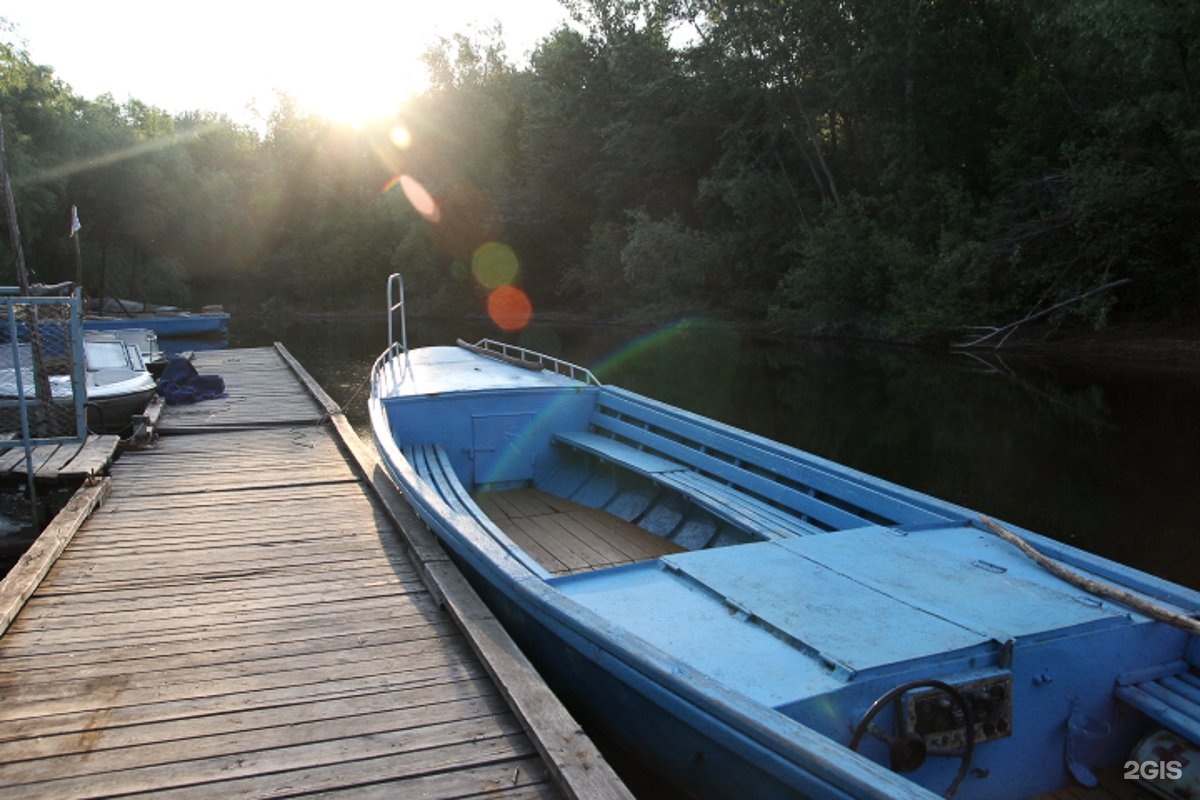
[(45, 381)]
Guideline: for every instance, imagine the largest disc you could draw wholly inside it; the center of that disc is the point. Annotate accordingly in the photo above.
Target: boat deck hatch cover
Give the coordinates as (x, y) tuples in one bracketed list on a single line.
[(849, 602), (925, 593), (832, 614)]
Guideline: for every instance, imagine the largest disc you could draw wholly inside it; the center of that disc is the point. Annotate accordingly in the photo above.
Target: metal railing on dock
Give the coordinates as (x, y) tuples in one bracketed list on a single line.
[(42, 371)]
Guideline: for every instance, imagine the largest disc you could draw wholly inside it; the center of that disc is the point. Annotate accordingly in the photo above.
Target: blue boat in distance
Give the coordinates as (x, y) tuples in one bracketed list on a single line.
[(753, 621), (166, 324)]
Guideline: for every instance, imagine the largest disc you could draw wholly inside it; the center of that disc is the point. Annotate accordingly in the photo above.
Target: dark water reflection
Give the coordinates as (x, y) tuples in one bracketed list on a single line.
[(1107, 459)]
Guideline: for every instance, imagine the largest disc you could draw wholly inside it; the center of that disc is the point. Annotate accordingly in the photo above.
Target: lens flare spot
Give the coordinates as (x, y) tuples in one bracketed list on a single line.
[(401, 136), (494, 265), (419, 196), (509, 308)]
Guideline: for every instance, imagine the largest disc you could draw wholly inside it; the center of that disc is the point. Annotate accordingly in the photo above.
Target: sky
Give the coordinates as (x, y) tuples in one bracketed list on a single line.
[(350, 60)]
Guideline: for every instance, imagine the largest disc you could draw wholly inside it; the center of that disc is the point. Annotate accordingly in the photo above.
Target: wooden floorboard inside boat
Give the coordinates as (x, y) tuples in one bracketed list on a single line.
[(566, 537)]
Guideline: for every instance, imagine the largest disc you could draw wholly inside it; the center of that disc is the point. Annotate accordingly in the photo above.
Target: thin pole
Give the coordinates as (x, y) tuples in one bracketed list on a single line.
[(41, 382), (10, 206), (75, 226), (22, 406)]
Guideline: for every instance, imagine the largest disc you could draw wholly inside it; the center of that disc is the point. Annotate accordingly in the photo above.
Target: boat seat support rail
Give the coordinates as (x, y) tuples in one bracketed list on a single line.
[(433, 466), (721, 500), (815, 510)]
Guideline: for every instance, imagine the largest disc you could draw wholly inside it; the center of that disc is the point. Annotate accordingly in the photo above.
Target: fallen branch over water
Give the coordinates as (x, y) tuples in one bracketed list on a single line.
[(1011, 328), (1139, 604)]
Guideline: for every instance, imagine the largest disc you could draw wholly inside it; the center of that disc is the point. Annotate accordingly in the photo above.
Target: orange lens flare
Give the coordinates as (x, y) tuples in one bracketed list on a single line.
[(509, 308), (417, 195)]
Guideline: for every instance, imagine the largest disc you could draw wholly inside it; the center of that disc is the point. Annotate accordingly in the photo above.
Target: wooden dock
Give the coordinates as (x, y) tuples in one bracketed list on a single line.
[(253, 611)]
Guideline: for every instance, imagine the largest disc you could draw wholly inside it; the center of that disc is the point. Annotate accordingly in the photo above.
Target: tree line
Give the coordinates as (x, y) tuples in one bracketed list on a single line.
[(870, 167)]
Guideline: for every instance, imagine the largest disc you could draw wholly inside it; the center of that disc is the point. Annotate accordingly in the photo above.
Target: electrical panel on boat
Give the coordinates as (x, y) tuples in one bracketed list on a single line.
[(938, 720)]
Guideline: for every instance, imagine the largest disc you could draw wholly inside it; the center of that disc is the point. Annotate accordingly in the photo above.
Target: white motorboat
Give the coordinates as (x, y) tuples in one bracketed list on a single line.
[(116, 380)]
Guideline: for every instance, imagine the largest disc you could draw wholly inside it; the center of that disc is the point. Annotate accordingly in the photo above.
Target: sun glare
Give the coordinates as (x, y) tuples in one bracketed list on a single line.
[(359, 99), (354, 69), (353, 62)]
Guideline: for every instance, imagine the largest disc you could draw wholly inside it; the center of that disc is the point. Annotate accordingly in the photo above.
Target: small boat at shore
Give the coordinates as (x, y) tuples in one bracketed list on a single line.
[(117, 382), (751, 620), (168, 322)]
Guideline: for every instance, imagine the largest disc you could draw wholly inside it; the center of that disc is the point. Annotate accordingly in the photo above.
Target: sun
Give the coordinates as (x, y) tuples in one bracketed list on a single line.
[(358, 64), (360, 95)]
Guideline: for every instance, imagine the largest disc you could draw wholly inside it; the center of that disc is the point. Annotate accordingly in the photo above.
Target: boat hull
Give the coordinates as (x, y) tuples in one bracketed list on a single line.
[(113, 413), (165, 326)]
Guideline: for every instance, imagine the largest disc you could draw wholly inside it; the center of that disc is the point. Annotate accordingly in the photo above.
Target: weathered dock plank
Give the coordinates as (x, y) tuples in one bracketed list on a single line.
[(54, 461), (239, 618), (261, 389)]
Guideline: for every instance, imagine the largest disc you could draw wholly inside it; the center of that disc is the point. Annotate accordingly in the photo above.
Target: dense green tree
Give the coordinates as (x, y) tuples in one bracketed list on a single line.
[(36, 109), (869, 167)]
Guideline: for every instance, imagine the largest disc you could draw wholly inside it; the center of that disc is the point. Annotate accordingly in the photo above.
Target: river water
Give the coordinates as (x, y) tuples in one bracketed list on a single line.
[(1107, 459)]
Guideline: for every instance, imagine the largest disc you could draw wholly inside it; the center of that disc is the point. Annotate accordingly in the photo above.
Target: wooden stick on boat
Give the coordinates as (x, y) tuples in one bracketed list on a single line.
[(1139, 604)]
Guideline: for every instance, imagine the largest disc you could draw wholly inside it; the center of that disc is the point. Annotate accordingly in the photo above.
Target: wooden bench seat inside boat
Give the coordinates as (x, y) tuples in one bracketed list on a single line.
[(563, 536), (719, 499), (738, 472)]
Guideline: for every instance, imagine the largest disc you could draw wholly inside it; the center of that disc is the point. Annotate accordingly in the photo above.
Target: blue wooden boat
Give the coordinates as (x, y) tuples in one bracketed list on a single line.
[(166, 325), (751, 620), (109, 314)]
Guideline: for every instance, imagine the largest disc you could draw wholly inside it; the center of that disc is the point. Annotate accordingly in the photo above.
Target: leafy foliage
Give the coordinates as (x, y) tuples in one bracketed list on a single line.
[(873, 167)]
